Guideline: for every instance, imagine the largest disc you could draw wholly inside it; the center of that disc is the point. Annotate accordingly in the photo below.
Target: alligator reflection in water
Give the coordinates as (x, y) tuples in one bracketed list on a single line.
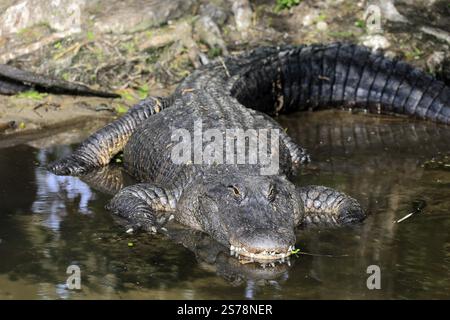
[(49, 222), (55, 191)]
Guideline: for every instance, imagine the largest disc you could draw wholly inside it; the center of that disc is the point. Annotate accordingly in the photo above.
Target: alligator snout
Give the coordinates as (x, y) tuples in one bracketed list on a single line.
[(263, 244)]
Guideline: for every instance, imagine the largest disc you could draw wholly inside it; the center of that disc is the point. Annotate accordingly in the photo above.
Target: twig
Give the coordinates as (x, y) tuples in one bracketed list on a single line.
[(405, 217), (225, 67), (46, 104), (76, 48), (322, 255)]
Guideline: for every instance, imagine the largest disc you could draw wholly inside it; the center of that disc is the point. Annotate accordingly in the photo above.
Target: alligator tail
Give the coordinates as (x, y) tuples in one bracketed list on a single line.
[(323, 76)]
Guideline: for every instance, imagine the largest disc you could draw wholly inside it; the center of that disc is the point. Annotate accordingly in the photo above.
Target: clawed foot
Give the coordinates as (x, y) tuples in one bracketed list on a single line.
[(350, 212), (140, 218), (326, 206), (69, 166)]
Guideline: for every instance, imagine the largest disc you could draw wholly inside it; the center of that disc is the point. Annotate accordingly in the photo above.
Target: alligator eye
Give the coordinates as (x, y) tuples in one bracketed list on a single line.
[(272, 193), (235, 190)]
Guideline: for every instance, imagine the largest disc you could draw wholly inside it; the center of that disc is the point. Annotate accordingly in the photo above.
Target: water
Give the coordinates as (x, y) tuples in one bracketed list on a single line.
[(48, 223)]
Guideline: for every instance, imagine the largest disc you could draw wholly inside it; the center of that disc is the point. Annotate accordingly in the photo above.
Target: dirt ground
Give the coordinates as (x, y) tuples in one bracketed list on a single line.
[(139, 48)]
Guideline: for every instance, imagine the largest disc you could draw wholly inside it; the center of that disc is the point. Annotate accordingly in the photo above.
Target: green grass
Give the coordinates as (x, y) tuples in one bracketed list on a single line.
[(341, 34), (143, 91), (57, 45), (121, 109), (90, 36), (321, 17), (31, 94), (415, 54), (285, 4), (127, 94), (360, 24), (214, 52)]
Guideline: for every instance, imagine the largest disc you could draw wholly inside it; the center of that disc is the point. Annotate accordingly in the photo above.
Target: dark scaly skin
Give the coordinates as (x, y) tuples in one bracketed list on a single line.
[(253, 214), (100, 147)]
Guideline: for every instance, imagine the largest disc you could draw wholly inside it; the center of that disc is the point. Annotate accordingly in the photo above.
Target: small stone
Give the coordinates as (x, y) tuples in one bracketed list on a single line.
[(435, 61), (208, 31), (309, 19), (214, 12), (322, 25), (376, 42), (242, 14)]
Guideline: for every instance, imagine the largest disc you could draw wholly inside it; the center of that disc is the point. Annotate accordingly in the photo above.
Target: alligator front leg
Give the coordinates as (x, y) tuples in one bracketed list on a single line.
[(97, 150), (140, 204), (326, 206)]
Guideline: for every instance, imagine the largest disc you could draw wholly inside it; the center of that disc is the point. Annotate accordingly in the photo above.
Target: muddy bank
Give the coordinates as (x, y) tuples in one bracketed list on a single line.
[(140, 48)]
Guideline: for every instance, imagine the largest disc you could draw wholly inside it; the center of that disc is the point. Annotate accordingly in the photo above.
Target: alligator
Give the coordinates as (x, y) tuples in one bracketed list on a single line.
[(253, 214)]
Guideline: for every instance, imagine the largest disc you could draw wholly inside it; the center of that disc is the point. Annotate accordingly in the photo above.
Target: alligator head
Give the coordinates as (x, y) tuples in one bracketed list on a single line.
[(255, 216)]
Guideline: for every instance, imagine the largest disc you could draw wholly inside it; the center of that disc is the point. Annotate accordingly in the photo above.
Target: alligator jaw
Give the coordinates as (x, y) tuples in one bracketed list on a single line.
[(264, 256)]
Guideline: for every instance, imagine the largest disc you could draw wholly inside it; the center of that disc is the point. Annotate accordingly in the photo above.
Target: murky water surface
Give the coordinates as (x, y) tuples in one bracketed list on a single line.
[(48, 223)]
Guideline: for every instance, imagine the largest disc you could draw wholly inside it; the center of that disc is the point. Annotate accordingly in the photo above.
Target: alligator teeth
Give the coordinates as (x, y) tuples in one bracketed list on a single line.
[(272, 265), (232, 248), (153, 229), (288, 263), (129, 230), (283, 255), (171, 217)]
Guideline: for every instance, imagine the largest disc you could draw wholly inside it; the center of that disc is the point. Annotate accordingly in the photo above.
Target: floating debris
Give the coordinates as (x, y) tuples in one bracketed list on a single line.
[(418, 206)]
